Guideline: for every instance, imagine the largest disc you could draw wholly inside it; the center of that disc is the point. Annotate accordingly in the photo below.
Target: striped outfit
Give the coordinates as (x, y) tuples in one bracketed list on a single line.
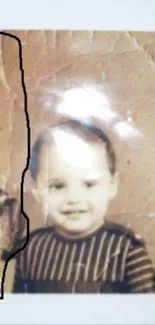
[(111, 260)]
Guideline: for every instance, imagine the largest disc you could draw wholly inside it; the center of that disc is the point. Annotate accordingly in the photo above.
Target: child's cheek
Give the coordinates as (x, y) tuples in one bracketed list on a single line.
[(97, 193), (99, 196), (54, 201)]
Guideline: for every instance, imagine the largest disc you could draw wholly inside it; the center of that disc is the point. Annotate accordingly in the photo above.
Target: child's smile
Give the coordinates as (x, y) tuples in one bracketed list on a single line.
[(73, 214)]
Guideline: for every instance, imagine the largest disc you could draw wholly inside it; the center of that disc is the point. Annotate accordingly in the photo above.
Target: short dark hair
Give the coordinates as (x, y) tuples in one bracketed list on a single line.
[(86, 128)]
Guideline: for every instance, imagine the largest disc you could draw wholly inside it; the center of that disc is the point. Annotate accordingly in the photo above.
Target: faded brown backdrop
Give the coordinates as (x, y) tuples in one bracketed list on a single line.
[(123, 63)]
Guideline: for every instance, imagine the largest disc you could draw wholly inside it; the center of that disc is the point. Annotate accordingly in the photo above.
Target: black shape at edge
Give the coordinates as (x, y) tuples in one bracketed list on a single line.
[(27, 160)]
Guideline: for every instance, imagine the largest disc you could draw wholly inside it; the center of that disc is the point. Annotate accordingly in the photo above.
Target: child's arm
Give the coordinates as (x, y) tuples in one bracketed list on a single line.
[(139, 270)]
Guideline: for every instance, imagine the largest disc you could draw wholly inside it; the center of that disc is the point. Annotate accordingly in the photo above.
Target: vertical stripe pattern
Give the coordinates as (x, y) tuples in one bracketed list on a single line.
[(89, 259), (108, 257), (116, 259), (104, 257), (99, 257)]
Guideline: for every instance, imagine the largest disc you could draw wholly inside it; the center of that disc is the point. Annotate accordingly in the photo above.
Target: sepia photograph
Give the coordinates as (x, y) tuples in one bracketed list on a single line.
[(77, 208)]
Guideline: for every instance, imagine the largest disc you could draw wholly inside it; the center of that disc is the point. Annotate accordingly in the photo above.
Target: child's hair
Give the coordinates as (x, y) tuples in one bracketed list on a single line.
[(85, 130)]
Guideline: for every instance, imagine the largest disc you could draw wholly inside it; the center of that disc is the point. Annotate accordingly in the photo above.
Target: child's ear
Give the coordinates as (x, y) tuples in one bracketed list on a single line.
[(114, 185)]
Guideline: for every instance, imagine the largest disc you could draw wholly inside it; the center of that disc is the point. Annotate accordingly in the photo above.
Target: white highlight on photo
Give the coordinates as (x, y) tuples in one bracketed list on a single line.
[(85, 103), (126, 130)]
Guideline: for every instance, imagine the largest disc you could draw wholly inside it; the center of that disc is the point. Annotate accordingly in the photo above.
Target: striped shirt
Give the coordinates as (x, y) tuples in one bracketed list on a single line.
[(111, 260)]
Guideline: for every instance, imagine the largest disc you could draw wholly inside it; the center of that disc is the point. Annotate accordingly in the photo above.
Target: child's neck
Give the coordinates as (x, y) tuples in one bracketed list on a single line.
[(70, 235)]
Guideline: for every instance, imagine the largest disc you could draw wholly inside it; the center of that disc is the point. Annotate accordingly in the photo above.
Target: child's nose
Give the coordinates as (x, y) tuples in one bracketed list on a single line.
[(74, 195)]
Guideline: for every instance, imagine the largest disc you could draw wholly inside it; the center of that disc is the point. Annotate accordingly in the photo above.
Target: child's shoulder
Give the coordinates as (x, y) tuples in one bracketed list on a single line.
[(22, 244), (40, 232), (121, 230), (37, 233)]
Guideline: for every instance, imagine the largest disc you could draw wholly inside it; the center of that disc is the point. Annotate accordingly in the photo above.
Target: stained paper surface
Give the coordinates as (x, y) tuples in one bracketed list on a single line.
[(106, 78)]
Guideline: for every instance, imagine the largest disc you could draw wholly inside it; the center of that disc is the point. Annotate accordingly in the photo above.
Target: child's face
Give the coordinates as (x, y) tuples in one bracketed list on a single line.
[(75, 183)]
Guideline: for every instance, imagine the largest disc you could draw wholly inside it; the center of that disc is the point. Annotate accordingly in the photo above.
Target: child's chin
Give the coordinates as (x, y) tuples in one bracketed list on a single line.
[(75, 229)]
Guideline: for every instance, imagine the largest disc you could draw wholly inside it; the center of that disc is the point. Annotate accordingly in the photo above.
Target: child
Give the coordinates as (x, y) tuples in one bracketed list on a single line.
[(73, 166)]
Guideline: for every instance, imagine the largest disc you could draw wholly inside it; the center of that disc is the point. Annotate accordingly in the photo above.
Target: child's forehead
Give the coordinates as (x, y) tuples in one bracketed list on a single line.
[(71, 137), (72, 152), (72, 143)]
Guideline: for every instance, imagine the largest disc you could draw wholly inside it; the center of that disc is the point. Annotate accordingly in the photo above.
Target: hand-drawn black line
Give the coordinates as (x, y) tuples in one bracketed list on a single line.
[(6, 34)]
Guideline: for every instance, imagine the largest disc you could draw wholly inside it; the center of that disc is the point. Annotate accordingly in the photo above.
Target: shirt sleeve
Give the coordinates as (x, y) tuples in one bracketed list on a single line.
[(139, 271)]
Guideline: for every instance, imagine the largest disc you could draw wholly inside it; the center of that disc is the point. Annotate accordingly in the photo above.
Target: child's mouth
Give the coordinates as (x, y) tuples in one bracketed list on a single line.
[(73, 212)]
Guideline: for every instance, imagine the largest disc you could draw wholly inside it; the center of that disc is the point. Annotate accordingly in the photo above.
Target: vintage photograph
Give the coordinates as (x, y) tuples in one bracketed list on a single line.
[(77, 210)]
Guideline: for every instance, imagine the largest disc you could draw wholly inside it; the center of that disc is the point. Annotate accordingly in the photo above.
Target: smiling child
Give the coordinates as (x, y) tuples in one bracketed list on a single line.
[(73, 166)]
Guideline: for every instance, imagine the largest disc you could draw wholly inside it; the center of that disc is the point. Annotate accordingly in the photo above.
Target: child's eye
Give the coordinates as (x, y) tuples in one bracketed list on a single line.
[(90, 184), (56, 186)]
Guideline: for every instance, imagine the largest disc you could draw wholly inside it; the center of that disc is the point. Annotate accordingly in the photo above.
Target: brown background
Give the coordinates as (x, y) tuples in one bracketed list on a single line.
[(120, 63)]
